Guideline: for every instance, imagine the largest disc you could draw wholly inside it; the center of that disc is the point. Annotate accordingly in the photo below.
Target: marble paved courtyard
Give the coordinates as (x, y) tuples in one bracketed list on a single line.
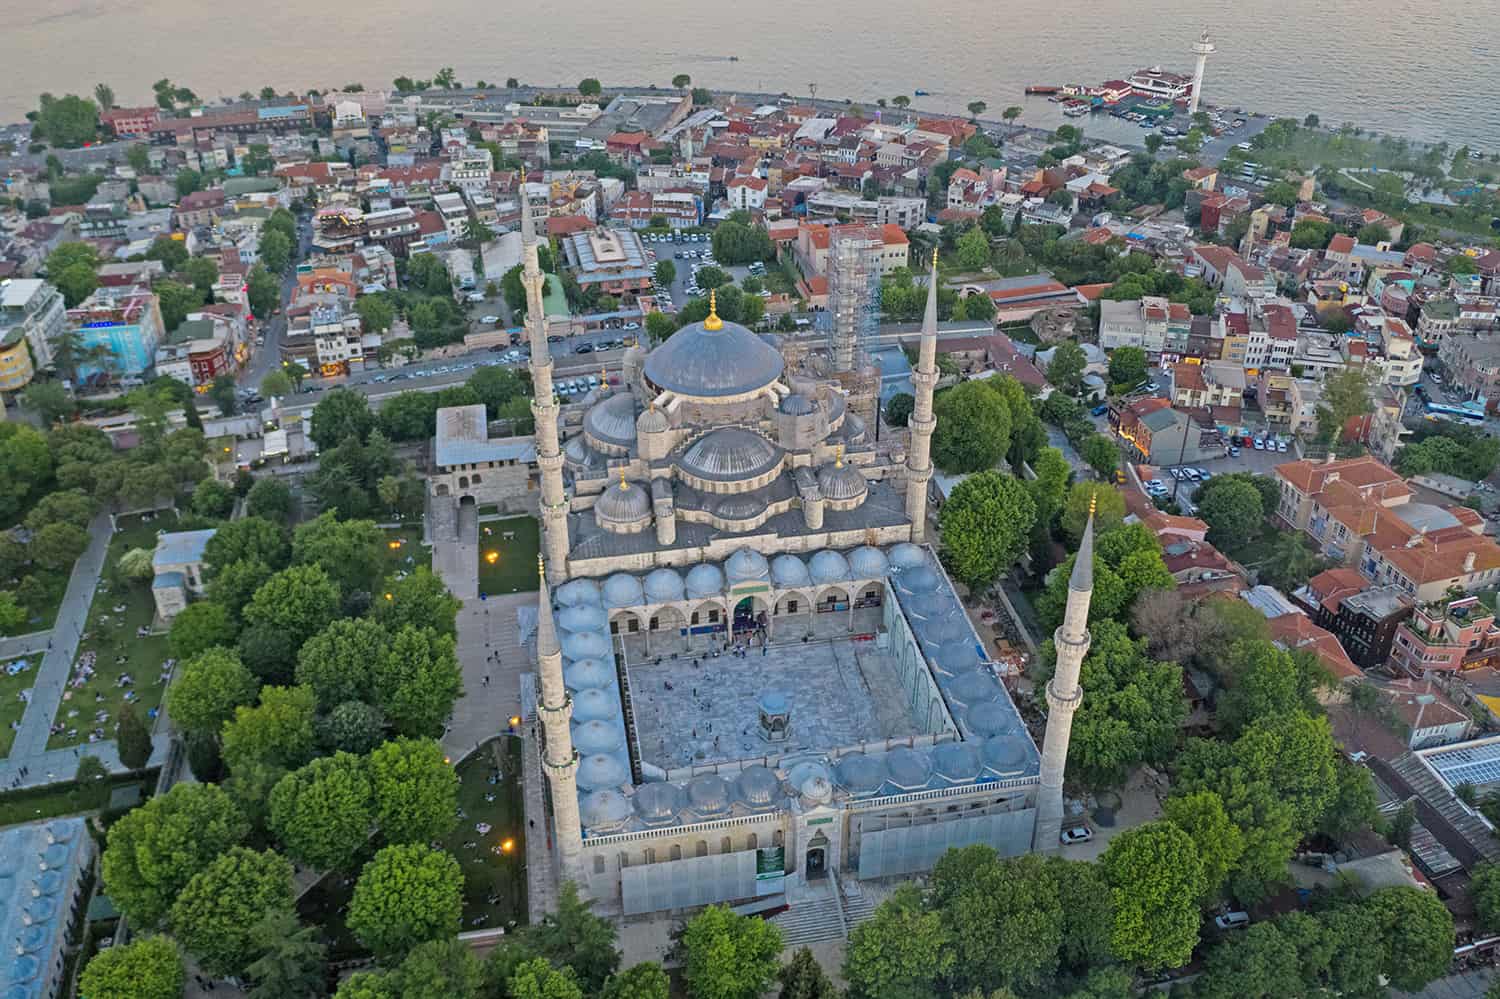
[(840, 692)]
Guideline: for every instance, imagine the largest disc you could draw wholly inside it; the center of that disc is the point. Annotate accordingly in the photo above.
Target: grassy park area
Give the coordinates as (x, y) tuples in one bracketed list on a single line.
[(494, 876), (114, 646), (507, 555), (13, 687), (404, 549)]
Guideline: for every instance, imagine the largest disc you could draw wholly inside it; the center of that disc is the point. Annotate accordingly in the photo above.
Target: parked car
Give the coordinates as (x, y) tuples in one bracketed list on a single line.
[(584, 348), (1234, 451), (1281, 445), (631, 326), (1260, 445), (1077, 834), (489, 320), (1235, 920)]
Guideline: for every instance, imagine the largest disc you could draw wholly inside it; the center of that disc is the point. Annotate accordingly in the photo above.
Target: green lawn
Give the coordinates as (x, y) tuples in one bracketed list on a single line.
[(111, 635), (514, 544), (12, 707), (33, 804), (409, 552), (487, 874)]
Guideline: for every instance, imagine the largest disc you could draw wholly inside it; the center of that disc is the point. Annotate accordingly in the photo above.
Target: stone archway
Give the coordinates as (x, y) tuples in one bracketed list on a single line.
[(815, 859), (666, 630), (707, 623), (793, 615), (627, 629), (834, 611), (751, 620)]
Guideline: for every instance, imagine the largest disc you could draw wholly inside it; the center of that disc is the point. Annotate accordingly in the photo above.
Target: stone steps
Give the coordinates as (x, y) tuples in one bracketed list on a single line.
[(810, 922)]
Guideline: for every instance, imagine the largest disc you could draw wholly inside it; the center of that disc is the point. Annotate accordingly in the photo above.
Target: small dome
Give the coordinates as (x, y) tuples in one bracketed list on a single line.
[(596, 736), (730, 454), (757, 787), (990, 718), (860, 774), (601, 771), (623, 503), (828, 566), (789, 570), (908, 769), (816, 790), (705, 580), (841, 482), (652, 421), (955, 657), (592, 705), (922, 579), (658, 803), (741, 506), (926, 606), (584, 617), (589, 674), (586, 645), (935, 631), (956, 761), (854, 427), (663, 585), (746, 565), (773, 702), (907, 556), (1006, 755), (971, 688), (577, 592), (866, 562), (798, 404), (612, 420), (623, 590), (605, 809), (708, 794)]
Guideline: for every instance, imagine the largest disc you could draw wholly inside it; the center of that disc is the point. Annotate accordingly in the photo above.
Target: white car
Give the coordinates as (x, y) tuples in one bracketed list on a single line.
[(475, 296), (1078, 834), (631, 326), (489, 320), (1232, 920), (1260, 445)]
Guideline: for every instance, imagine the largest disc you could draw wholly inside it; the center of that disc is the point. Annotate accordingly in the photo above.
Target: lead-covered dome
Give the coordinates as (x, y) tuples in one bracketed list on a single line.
[(757, 787), (705, 580), (612, 420), (789, 570), (658, 803), (746, 565), (907, 556), (601, 771), (652, 421), (841, 482), (828, 566), (713, 359), (708, 794), (798, 404), (730, 454), (623, 506), (623, 590), (582, 617), (663, 585), (867, 562)]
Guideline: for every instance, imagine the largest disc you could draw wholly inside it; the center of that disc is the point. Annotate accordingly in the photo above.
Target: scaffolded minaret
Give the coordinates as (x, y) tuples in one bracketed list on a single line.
[(924, 380), (549, 456), (559, 761), (1063, 693)]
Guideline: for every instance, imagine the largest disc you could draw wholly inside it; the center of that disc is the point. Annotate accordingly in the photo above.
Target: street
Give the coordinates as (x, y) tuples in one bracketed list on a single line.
[(267, 357)]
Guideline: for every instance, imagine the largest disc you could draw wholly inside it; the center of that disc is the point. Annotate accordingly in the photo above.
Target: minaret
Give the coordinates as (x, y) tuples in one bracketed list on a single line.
[(549, 456), (559, 761), (924, 380), (1063, 693), (1202, 48)]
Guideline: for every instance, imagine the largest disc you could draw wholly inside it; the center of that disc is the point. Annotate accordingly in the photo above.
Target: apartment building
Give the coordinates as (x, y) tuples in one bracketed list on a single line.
[(1472, 363), (32, 309), (126, 323), (1152, 323)]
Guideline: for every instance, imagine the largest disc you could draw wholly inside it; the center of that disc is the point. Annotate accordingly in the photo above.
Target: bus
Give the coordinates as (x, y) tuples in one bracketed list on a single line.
[(1467, 415)]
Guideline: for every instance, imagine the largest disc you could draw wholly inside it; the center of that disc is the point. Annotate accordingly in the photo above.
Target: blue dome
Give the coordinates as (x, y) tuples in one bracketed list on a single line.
[(605, 809), (623, 590), (578, 591), (601, 771), (956, 761), (582, 617), (908, 769), (663, 585), (589, 674), (860, 773), (658, 803), (828, 566), (705, 580), (699, 360), (868, 563), (746, 565), (589, 705), (907, 556)]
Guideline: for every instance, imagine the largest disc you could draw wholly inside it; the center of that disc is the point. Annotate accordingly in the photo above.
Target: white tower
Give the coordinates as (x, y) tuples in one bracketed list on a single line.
[(549, 456), (923, 378), (1202, 48), (559, 760), (1063, 693)]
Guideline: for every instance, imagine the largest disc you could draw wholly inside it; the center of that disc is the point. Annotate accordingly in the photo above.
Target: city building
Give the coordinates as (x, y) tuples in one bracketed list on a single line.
[(1152, 324), (1160, 435), (178, 566), (197, 352), (47, 867), (1364, 618), (467, 463), (610, 261), (1446, 635), (126, 323), (1471, 364), (33, 309)]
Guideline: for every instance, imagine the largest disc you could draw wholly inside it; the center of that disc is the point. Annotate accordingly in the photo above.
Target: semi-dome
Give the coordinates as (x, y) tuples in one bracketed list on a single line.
[(956, 761), (828, 566), (860, 773), (578, 591), (867, 562), (658, 803), (601, 771), (955, 656), (585, 645), (623, 504), (612, 420), (708, 794), (605, 809), (623, 590), (937, 631), (841, 482), (740, 506), (745, 566), (705, 580), (908, 769), (789, 570), (854, 427), (907, 556), (589, 674), (582, 617), (757, 787), (663, 585), (713, 359), (591, 705), (652, 421), (594, 737), (798, 404), (729, 454)]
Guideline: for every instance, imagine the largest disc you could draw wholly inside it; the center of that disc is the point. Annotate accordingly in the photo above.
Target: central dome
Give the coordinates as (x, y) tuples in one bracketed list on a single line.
[(707, 362)]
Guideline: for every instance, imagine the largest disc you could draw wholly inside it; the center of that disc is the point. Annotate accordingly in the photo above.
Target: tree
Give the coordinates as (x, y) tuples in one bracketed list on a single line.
[(104, 96), (13, 616), (577, 937), (659, 326), (973, 248), (351, 552), (172, 253), (1291, 561), (1067, 366), (376, 312), (299, 602), (420, 599), (338, 662), (1192, 142), (1012, 113), (417, 678), (976, 108), (132, 738), (1261, 963), (439, 969), (1109, 509), (416, 798), (729, 956), (1233, 513), (262, 291), (73, 268), (275, 251), (1201, 815), (187, 182), (49, 400), (278, 731), (1155, 878), (900, 953), (1102, 454), (739, 243), (1484, 889), (898, 410), (1154, 142), (204, 274), (57, 546), (1127, 366), (1346, 394), (407, 894), (1003, 918), (341, 413), (155, 850), (589, 87), (1373, 233), (1418, 930), (208, 687), (212, 499), (537, 979), (665, 272), (1311, 234), (985, 526), (269, 499), (148, 967), (973, 430), (68, 121), (353, 726), (214, 914), (803, 978), (323, 813), (293, 959), (646, 980)]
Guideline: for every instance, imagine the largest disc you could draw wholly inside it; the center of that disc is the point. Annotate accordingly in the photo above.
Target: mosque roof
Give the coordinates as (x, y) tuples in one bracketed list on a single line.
[(714, 358)]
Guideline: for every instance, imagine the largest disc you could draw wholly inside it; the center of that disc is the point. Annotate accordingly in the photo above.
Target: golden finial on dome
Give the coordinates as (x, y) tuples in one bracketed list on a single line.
[(603, 376), (713, 322), (624, 486), (838, 456), (934, 258)]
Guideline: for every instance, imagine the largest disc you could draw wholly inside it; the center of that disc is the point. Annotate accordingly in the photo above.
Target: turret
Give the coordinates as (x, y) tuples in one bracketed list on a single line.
[(549, 456)]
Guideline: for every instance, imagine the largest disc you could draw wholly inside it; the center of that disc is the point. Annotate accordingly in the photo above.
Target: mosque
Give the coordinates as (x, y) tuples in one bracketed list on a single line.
[(753, 677)]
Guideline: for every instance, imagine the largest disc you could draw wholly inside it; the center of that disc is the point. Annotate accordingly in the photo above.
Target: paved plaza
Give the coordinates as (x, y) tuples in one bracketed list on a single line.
[(839, 692)]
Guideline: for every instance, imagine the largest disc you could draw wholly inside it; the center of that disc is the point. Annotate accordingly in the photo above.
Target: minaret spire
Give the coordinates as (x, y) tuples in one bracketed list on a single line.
[(924, 380), (549, 456), (1064, 695), (559, 760)]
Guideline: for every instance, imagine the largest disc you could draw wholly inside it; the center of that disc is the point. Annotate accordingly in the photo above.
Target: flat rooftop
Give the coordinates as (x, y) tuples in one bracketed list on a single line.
[(701, 711)]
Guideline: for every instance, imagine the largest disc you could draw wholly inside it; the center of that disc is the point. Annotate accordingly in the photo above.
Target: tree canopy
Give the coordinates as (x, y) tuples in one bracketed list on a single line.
[(729, 956), (985, 526), (218, 908), (408, 894)]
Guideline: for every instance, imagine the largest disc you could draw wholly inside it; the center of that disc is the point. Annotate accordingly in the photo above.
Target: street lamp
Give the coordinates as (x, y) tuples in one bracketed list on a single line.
[(492, 557)]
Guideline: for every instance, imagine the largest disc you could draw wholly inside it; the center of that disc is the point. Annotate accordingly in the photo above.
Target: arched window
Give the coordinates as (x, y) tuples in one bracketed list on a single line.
[(725, 845), (701, 850), (752, 841), (676, 852)]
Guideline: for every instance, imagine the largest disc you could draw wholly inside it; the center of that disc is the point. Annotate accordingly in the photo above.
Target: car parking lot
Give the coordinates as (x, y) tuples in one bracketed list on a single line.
[(685, 257)]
